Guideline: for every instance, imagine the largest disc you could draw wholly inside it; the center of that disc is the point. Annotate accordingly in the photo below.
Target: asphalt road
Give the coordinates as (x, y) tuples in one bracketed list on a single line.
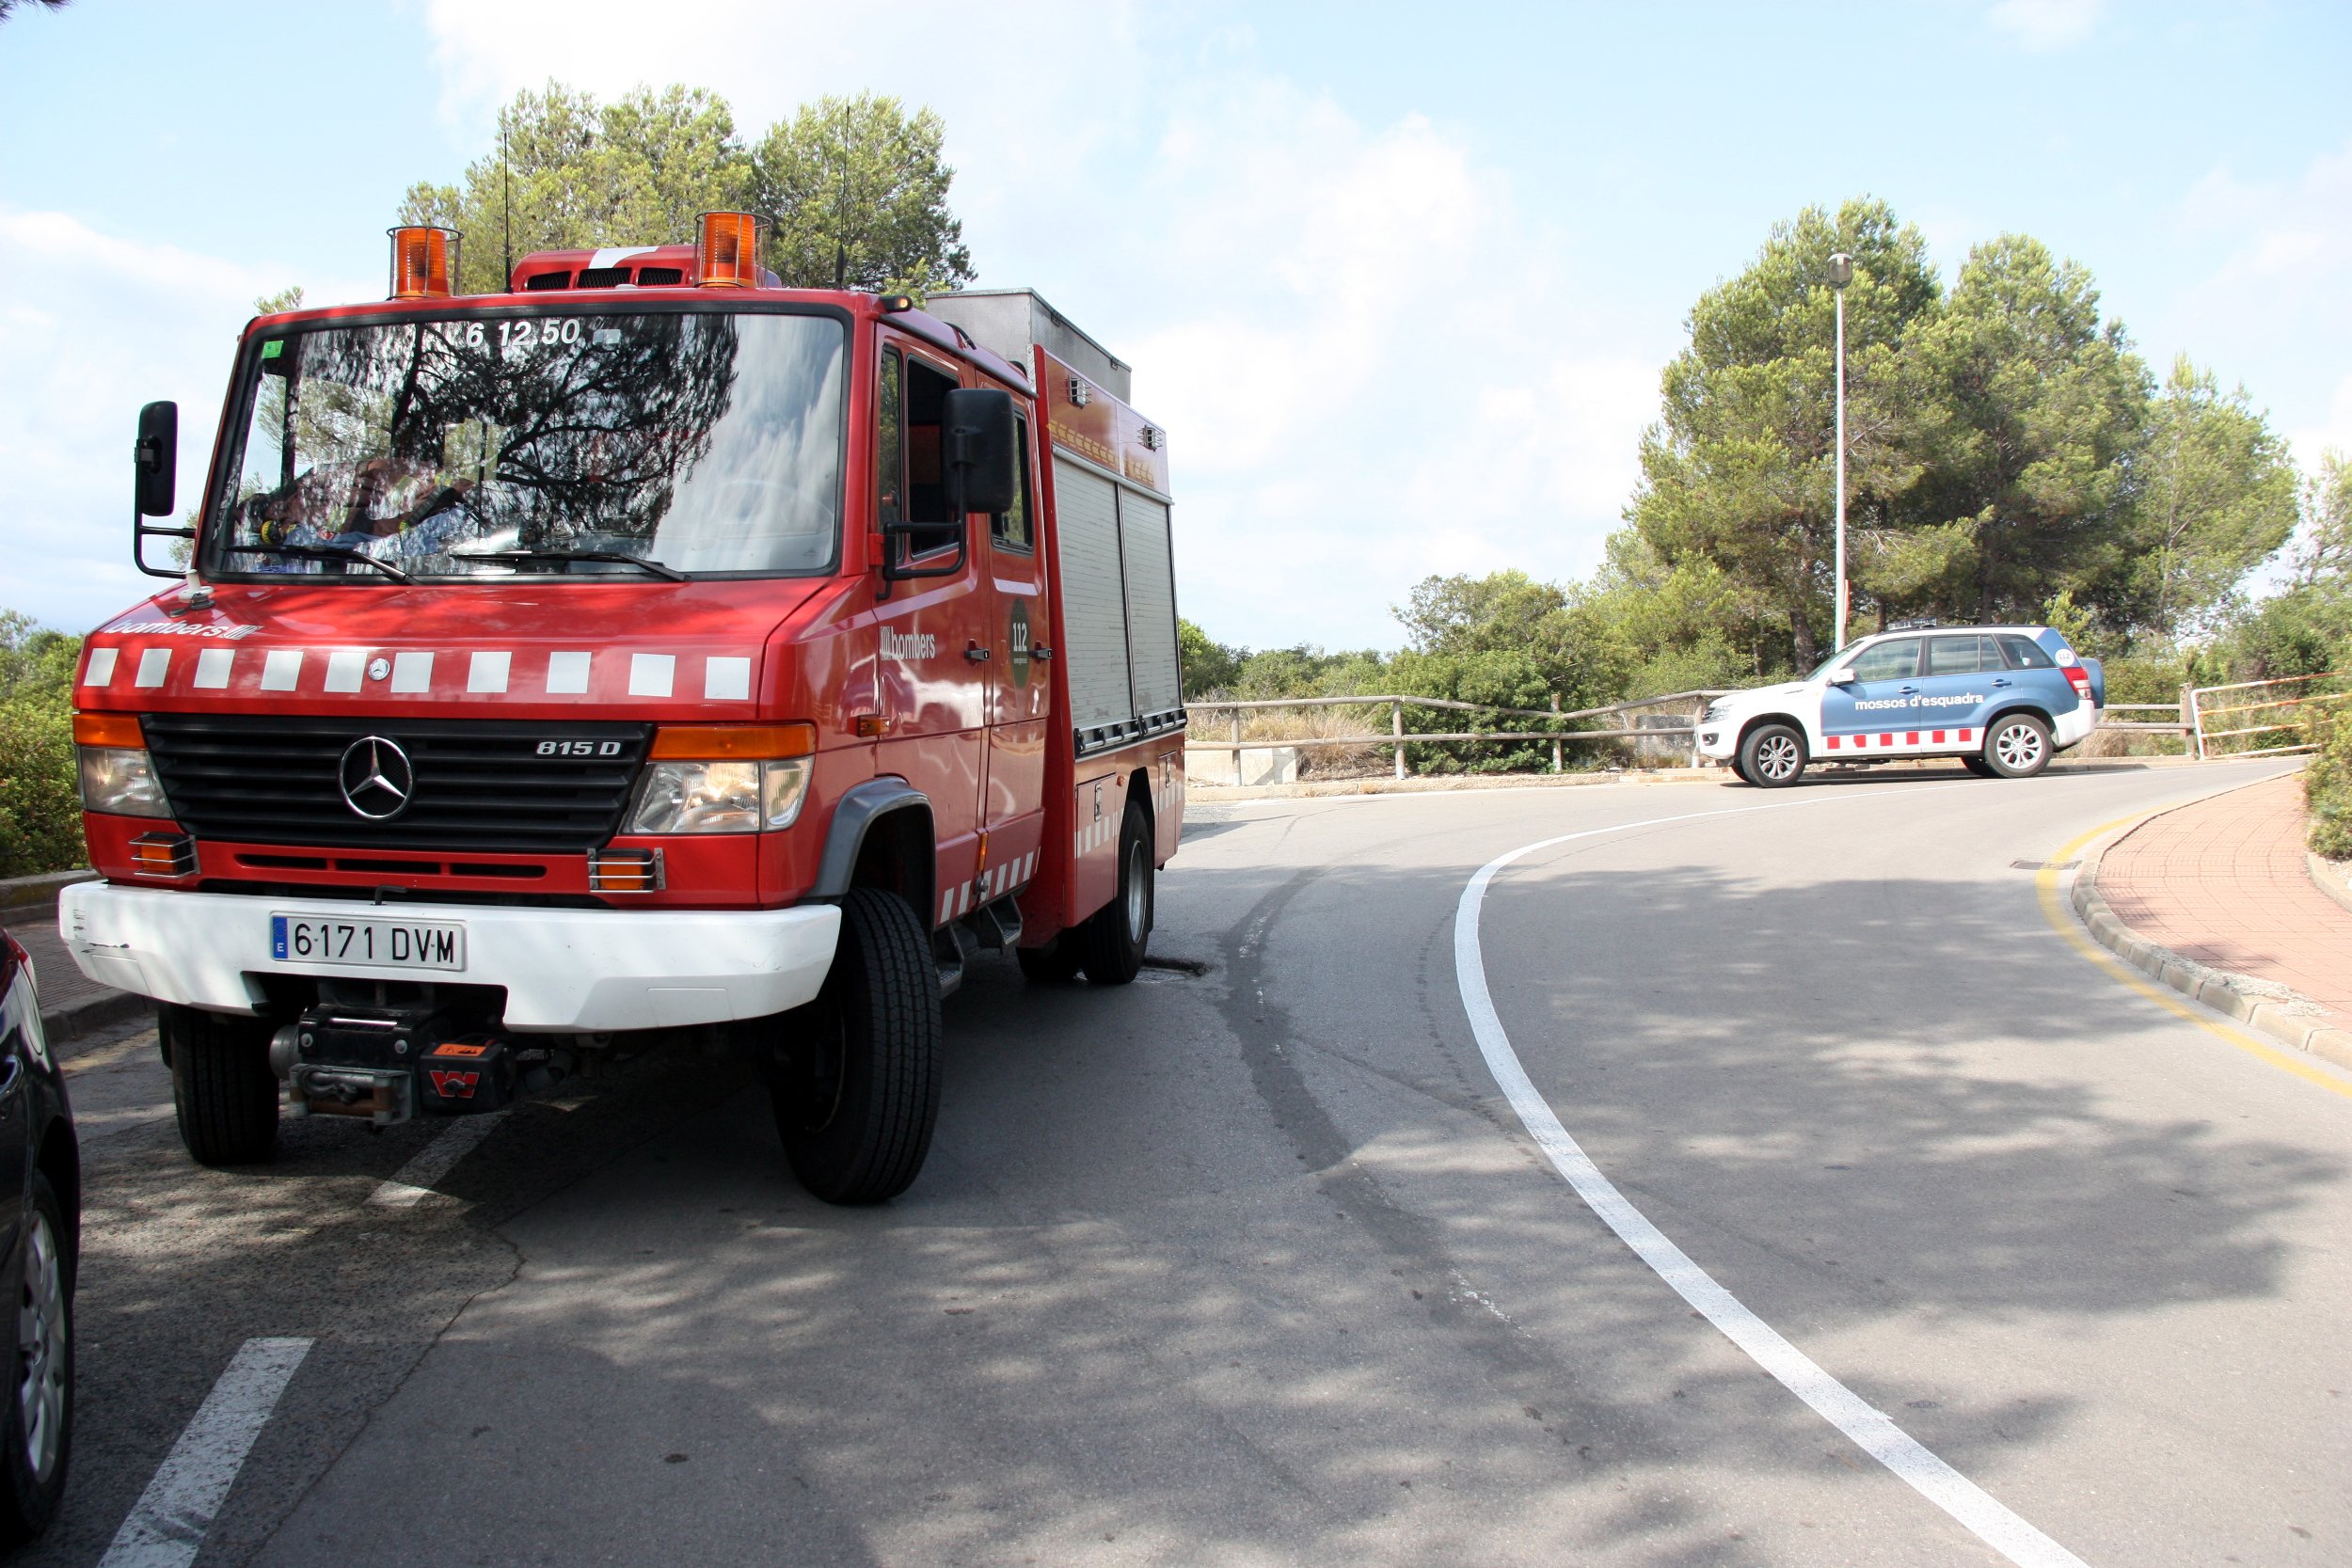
[(1260, 1266)]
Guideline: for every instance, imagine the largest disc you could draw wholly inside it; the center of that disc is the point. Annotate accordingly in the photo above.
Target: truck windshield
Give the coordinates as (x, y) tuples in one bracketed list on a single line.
[(686, 441)]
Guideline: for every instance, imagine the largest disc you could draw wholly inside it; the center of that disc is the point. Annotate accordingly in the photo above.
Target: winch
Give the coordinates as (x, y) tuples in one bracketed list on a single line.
[(390, 1065)]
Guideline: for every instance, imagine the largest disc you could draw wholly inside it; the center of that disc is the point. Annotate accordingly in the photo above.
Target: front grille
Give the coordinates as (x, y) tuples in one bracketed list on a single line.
[(479, 785)]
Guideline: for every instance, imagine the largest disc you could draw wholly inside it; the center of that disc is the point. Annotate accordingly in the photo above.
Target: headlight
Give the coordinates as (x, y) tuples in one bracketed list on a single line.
[(719, 797), (121, 779)]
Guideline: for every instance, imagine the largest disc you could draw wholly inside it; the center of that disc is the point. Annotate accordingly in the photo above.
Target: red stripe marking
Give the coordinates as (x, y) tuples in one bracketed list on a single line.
[(1912, 739), (1939, 737), (1833, 743), (1886, 740)]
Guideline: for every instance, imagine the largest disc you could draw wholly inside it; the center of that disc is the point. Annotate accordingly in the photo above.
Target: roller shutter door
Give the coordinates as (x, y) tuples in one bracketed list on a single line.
[(1094, 610), (1150, 604)]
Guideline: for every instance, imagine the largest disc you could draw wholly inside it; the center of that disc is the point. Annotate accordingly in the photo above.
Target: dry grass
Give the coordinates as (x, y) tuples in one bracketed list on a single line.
[(1373, 759)]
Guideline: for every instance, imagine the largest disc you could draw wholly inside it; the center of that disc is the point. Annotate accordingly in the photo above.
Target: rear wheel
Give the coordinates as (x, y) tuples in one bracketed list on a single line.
[(2017, 746), (1110, 944), (36, 1428), (1772, 756), (221, 1085), (856, 1075)]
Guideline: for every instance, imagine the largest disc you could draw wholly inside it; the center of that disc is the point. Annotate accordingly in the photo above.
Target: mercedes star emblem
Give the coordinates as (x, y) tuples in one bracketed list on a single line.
[(376, 777)]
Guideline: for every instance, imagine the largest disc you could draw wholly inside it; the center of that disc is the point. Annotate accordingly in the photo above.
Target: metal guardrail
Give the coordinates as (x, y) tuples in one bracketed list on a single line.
[(1397, 739)]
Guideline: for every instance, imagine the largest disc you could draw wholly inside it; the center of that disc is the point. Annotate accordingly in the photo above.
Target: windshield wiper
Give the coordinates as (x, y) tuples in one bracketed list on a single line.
[(618, 557), (320, 552)]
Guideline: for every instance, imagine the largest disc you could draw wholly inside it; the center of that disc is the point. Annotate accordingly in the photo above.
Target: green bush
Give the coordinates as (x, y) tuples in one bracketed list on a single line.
[(2328, 791), (40, 813), (41, 810)]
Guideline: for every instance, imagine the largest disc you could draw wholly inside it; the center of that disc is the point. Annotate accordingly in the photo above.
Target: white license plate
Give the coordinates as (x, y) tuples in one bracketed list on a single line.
[(374, 943)]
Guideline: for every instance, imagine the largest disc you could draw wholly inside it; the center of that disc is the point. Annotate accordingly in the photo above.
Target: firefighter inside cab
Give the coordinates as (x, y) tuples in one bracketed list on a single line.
[(644, 653)]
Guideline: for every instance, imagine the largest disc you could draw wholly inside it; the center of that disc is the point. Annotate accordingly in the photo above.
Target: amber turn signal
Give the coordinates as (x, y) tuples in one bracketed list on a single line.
[(108, 728), (742, 742)]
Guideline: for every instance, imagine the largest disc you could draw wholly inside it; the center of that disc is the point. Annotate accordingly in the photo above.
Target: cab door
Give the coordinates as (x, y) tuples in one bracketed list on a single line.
[(933, 632), (1012, 809)]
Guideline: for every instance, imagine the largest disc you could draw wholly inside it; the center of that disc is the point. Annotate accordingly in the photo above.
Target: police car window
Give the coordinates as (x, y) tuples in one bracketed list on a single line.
[(1962, 655), (1888, 661), (2026, 654)]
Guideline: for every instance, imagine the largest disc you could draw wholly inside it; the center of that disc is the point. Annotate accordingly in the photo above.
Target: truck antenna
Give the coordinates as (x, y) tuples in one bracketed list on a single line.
[(507, 205)]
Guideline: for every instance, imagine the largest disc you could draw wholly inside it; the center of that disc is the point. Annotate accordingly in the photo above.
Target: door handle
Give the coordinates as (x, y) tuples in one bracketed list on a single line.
[(1906, 690), (976, 653), (2000, 683), (1041, 650)]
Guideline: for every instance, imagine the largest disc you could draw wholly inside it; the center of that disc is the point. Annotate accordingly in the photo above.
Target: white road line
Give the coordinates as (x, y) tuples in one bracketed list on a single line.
[(167, 1526), (413, 1182), (1870, 1430)]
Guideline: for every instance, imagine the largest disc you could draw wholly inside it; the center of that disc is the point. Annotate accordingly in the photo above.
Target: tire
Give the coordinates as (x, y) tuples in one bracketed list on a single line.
[(37, 1427), (856, 1081), (1772, 756), (221, 1086), (1741, 770), (1977, 765), (1111, 943), (1053, 963), (2017, 746)]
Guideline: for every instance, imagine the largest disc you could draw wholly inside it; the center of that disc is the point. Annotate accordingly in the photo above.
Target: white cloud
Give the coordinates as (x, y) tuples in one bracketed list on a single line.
[(94, 325), (2043, 26)]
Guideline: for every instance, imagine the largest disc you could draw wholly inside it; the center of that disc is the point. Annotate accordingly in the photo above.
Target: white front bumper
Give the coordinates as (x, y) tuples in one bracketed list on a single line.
[(572, 971)]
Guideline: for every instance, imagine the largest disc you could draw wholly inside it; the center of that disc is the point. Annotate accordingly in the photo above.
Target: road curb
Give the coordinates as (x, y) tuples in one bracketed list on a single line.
[(2330, 880), (2271, 1009), (58, 1024)]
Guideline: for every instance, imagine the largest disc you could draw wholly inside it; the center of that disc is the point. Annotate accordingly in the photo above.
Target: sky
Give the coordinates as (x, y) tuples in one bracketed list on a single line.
[(1398, 280)]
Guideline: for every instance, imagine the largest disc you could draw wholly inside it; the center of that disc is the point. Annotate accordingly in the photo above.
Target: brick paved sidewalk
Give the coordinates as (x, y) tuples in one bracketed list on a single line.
[(2223, 882)]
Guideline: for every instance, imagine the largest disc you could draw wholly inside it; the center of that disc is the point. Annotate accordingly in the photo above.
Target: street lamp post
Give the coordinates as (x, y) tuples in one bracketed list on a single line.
[(1840, 273)]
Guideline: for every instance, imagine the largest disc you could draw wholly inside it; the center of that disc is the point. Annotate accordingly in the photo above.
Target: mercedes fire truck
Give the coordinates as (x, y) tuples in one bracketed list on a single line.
[(646, 652)]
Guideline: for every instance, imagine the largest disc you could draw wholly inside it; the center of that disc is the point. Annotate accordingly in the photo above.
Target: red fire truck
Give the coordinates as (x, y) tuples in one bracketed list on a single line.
[(646, 651)]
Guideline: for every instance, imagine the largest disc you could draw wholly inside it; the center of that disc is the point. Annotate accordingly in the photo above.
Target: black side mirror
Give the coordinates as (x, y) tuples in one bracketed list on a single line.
[(155, 458), (154, 468), (978, 442)]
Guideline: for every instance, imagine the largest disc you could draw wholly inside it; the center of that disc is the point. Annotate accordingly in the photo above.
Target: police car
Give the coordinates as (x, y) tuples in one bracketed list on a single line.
[(2003, 699)]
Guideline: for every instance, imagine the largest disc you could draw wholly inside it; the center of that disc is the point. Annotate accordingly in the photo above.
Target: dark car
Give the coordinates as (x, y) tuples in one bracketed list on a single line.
[(41, 1233)]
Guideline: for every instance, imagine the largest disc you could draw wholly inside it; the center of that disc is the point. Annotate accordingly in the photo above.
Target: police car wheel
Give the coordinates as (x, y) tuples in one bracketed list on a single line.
[(37, 1415), (224, 1094), (1980, 767), (855, 1078), (2017, 746), (1772, 756)]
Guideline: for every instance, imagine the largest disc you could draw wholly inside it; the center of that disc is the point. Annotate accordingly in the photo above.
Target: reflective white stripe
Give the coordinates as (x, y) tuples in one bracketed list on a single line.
[(727, 679), (615, 255), (489, 672), (101, 667), (345, 666), (212, 668), (154, 665), (412, 671), (947, 906), (651, 675), (567, 675), (282, 670)]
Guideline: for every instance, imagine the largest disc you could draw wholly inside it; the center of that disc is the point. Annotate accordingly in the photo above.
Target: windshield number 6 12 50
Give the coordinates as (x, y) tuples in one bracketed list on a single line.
[(554, 332)]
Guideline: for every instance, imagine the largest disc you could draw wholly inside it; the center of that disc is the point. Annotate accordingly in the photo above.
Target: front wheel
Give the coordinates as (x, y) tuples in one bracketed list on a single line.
[(38, 1426), (1977, 765), (855, 1078), (1110, 945), (1772, 756), (2017, 746), (222, 1087)]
